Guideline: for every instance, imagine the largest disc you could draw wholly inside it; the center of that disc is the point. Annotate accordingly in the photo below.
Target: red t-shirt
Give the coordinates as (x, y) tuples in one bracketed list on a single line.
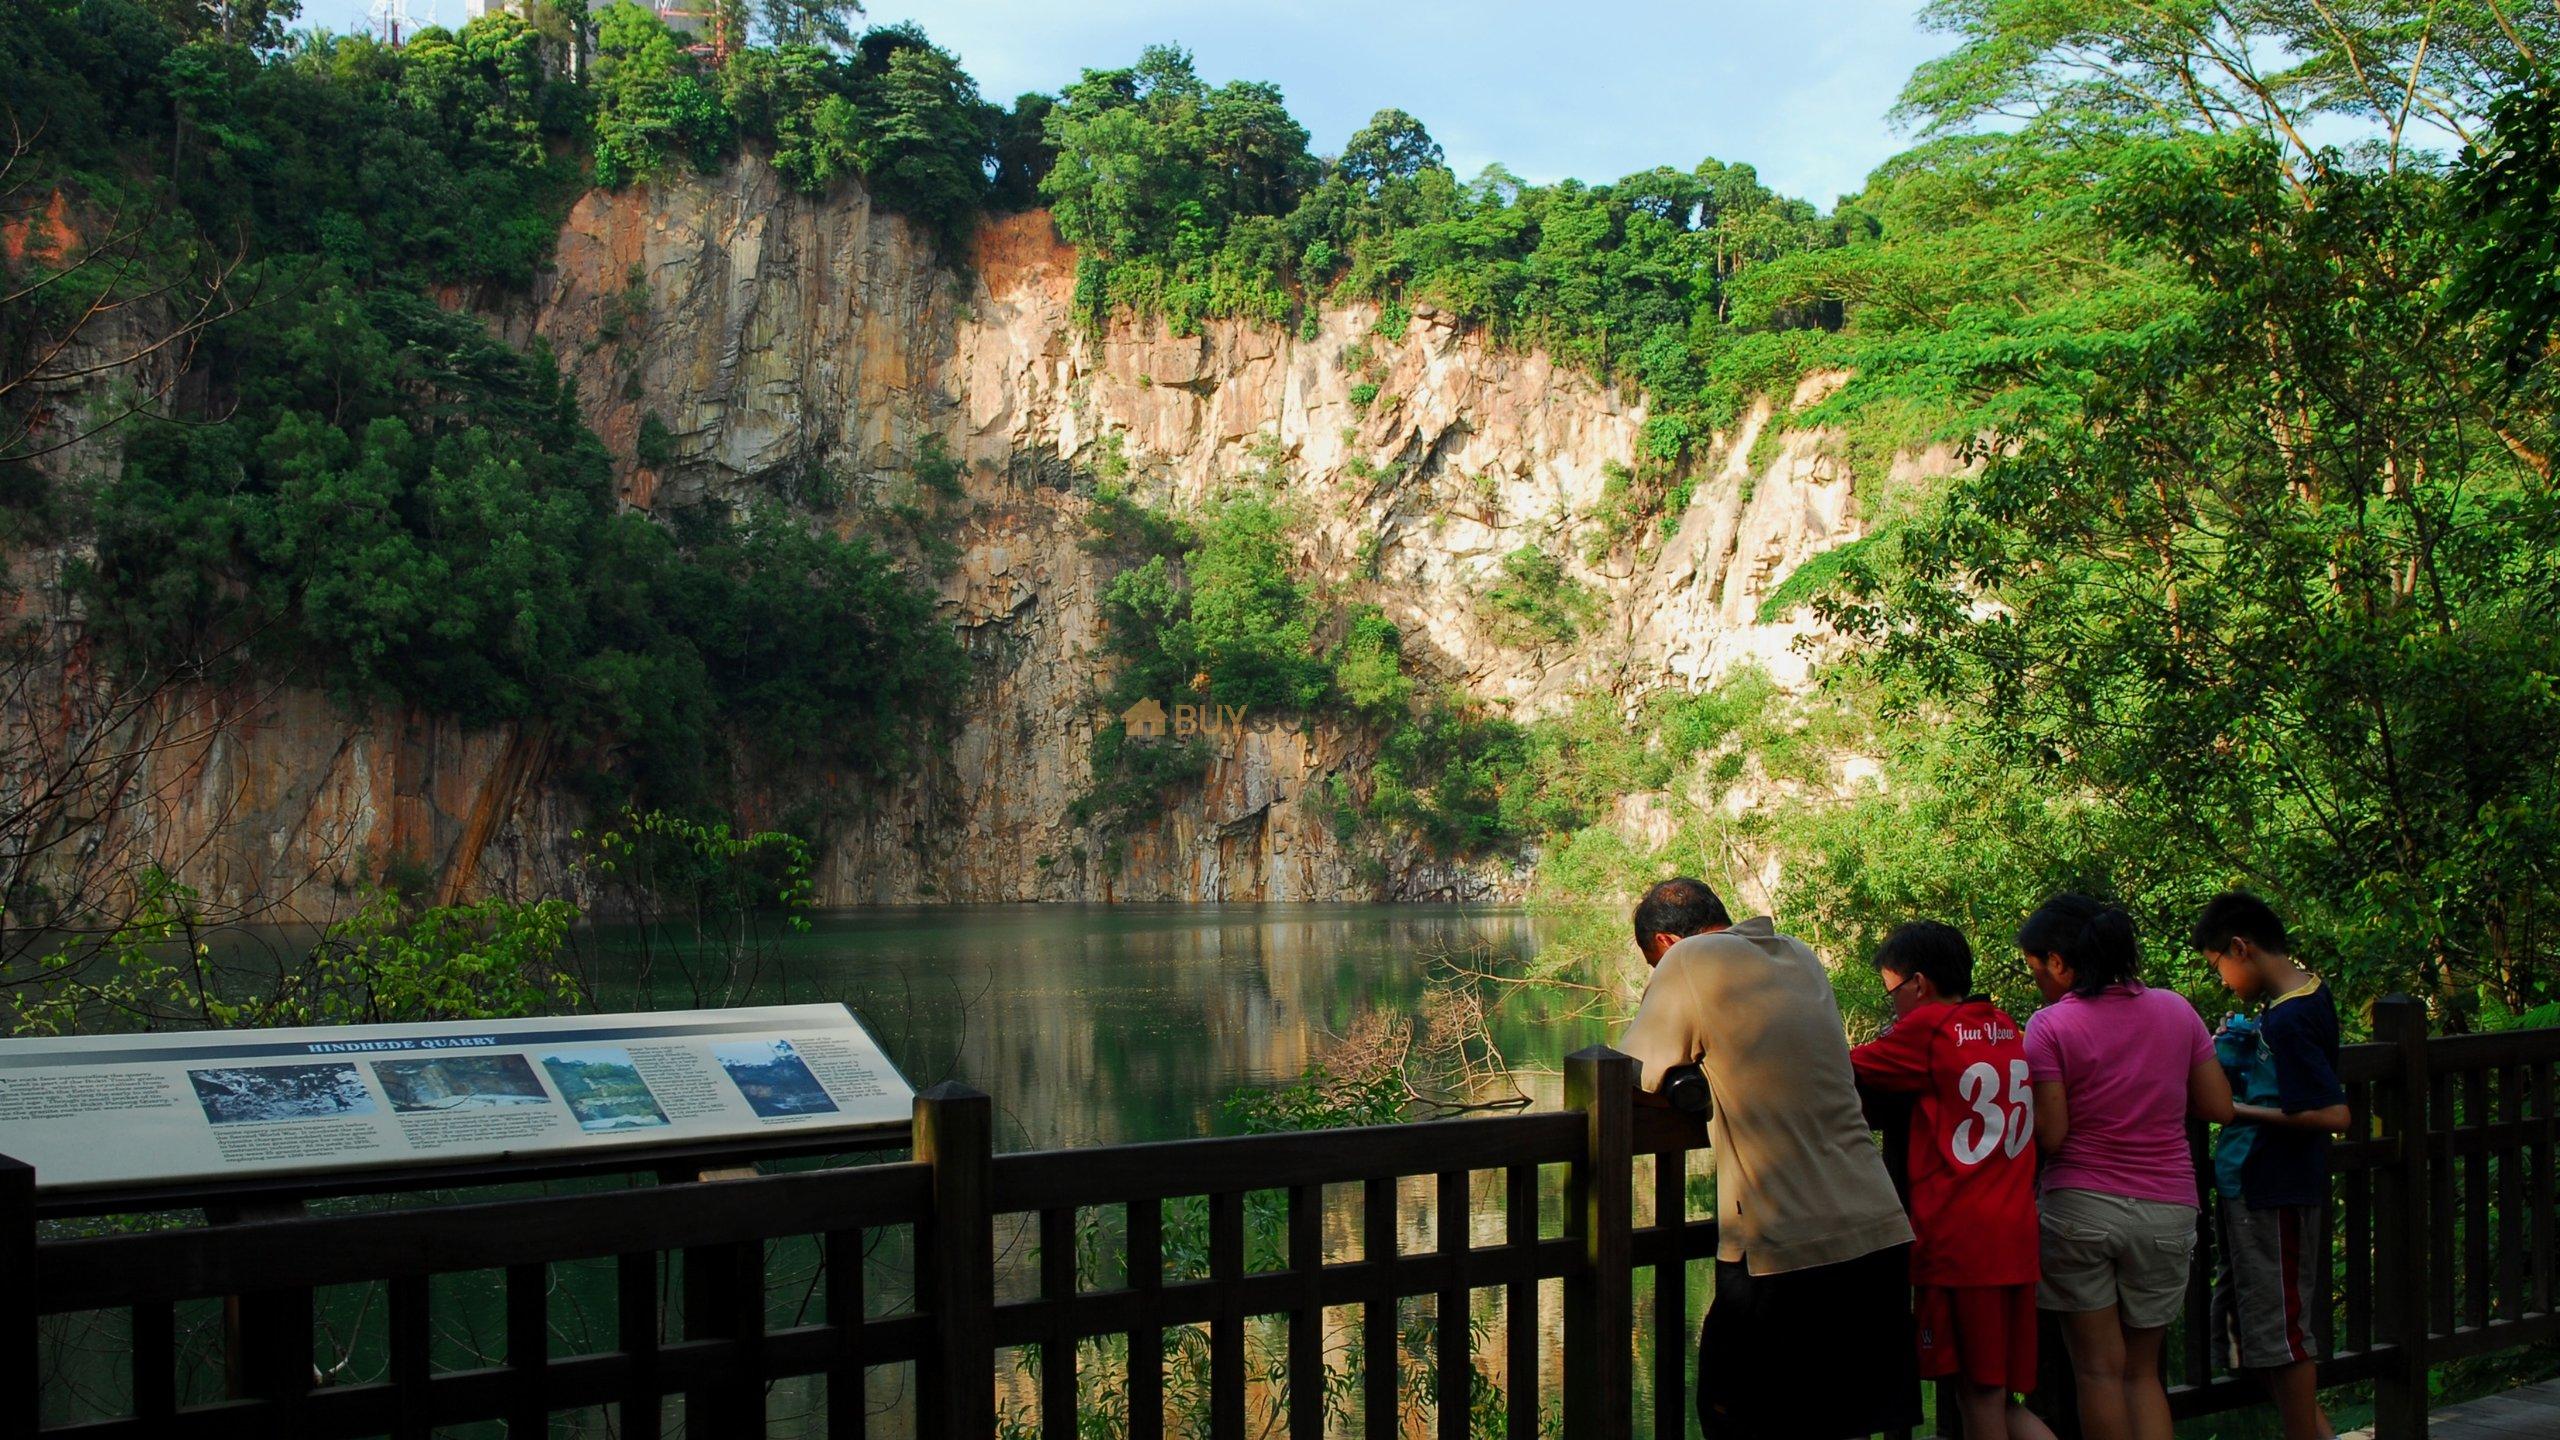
[(1973, 1168)]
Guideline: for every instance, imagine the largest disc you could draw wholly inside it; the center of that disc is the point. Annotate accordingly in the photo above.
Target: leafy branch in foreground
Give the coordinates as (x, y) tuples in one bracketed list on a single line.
[(2277, 596), (164, 968)]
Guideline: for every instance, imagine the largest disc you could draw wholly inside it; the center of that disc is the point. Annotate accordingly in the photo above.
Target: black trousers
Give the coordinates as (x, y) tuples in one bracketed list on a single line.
[(1819, 1354)]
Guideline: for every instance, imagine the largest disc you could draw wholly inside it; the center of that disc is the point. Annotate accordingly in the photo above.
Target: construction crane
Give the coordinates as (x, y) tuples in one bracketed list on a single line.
[(715, 26)]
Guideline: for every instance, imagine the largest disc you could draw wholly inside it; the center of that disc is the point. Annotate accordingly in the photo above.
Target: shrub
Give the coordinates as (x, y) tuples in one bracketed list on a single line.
[(1533, 601), (656, 444), (1820, 575), (1368, 667)]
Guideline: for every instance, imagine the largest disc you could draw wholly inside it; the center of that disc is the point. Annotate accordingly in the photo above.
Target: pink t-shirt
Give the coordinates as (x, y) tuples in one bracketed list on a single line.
[(2122, 1056)]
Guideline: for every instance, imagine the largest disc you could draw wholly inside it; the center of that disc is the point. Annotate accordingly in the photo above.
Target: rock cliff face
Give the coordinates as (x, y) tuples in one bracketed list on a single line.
[(767, 341)]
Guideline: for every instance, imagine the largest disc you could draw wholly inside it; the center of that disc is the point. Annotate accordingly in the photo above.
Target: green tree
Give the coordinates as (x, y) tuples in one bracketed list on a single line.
[(808, 22), (1392, 148), (2273, 71), (651, 101), (248, 24), (1252, 620), (2510, 196), (485, 87), (1130, 161), (1019, 146), (800, 98), (925, 149), (1368, 667), (2268, 593)]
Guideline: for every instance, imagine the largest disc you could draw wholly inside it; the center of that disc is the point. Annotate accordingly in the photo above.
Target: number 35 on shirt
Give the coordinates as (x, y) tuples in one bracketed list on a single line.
[(1972, 1181), (2002, 1118)]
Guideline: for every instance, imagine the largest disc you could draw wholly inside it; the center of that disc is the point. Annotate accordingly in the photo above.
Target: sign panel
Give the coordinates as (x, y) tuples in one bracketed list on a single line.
[(98, 1110)]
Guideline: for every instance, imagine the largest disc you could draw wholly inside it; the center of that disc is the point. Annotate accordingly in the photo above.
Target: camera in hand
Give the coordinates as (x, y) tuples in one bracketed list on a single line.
[(1685, 1087)]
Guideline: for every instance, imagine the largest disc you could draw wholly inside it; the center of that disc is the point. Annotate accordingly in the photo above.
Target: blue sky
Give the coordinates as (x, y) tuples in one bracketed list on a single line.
[(1589, 88)]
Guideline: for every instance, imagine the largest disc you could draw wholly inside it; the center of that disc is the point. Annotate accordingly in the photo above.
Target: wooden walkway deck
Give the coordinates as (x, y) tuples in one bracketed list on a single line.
[(2532, 1413)]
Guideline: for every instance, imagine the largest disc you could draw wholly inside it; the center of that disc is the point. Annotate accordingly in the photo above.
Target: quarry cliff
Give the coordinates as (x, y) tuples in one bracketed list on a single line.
[(734, 340)]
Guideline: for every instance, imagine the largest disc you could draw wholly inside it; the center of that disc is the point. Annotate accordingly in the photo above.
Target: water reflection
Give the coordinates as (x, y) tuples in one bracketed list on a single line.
[(1089, 1025), (1102, 1024)]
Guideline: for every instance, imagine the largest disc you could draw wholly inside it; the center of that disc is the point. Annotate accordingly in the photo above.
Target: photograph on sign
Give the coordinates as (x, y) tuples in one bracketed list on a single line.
[(459, 1082), (604, 1089), (774, 1079), (280, 1092)]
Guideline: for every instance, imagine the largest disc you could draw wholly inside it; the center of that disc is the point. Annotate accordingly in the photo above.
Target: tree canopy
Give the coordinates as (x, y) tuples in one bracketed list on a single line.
[(360, 488)]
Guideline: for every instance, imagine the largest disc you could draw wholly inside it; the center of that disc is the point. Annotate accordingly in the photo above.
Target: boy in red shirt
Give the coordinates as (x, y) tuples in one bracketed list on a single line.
[(1973, 1170)]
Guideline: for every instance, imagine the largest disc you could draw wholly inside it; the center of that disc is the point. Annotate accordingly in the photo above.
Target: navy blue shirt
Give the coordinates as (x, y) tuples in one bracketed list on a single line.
[(2298, 1035)]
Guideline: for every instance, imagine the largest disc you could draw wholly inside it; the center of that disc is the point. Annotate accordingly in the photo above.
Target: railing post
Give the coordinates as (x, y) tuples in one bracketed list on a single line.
[(2400, 1229), (21, 1408), (723, 1299), (1599, 1301), (955, 1262), (267, 1335)]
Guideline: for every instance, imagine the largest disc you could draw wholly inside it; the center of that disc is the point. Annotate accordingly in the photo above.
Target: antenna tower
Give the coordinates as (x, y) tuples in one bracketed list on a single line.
[(393, 21)]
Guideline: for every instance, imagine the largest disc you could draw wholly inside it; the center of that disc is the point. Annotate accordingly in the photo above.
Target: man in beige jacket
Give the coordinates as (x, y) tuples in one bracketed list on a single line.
[(1809, 1336)]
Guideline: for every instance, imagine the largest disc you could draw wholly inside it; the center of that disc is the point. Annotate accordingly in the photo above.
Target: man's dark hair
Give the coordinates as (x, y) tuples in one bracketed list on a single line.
[(1679, 907), (1929, 948), (2095, 939), (2236, 914)]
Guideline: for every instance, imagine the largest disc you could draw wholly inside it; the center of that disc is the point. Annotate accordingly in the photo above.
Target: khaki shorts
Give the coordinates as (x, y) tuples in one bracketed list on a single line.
[(2102, 1250)]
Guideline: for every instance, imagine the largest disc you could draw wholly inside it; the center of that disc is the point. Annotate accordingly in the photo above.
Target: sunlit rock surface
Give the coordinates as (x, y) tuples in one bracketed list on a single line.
[(778, 337)]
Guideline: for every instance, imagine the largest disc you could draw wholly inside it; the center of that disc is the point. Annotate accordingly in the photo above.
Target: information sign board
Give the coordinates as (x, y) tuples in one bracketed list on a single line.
[(120, 1110)]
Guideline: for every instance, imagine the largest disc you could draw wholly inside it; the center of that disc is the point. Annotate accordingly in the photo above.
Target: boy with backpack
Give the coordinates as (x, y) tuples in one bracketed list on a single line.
[(2271, 1163), (1972, 1173)]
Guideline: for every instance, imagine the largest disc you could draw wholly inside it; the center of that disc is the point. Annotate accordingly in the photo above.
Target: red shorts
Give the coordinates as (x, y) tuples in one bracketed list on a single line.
[(1984, 1333)]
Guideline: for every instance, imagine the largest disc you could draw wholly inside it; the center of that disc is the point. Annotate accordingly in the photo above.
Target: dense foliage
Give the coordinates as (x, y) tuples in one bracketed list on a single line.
[(1208, 613), (1192, 202), (360, 488), (399, 506), (454, 155), (2275, 589), (893, 109), (2251, 583)]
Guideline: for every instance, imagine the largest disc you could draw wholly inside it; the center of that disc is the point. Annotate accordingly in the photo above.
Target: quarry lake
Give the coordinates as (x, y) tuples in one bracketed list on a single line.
[(1100, 1024), (1088, 1025)]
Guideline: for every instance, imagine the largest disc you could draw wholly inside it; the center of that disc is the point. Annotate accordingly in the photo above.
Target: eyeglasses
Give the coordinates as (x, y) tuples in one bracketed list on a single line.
[(1907, 981)]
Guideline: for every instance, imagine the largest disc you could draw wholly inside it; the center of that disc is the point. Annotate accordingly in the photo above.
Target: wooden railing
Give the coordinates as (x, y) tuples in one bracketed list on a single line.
[(2441, 1235), (2442, 1248)]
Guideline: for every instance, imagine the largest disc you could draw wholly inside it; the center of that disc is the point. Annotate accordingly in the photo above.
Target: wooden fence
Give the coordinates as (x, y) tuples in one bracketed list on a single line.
[(2442, 1239)]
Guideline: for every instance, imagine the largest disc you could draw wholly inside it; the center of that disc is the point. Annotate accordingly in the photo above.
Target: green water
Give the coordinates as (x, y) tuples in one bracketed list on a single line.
[(1088, 1025), (1096, 1024)]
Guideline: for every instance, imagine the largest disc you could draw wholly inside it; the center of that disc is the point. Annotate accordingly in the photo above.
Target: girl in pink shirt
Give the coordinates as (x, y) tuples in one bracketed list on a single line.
[(2116, 1069)]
